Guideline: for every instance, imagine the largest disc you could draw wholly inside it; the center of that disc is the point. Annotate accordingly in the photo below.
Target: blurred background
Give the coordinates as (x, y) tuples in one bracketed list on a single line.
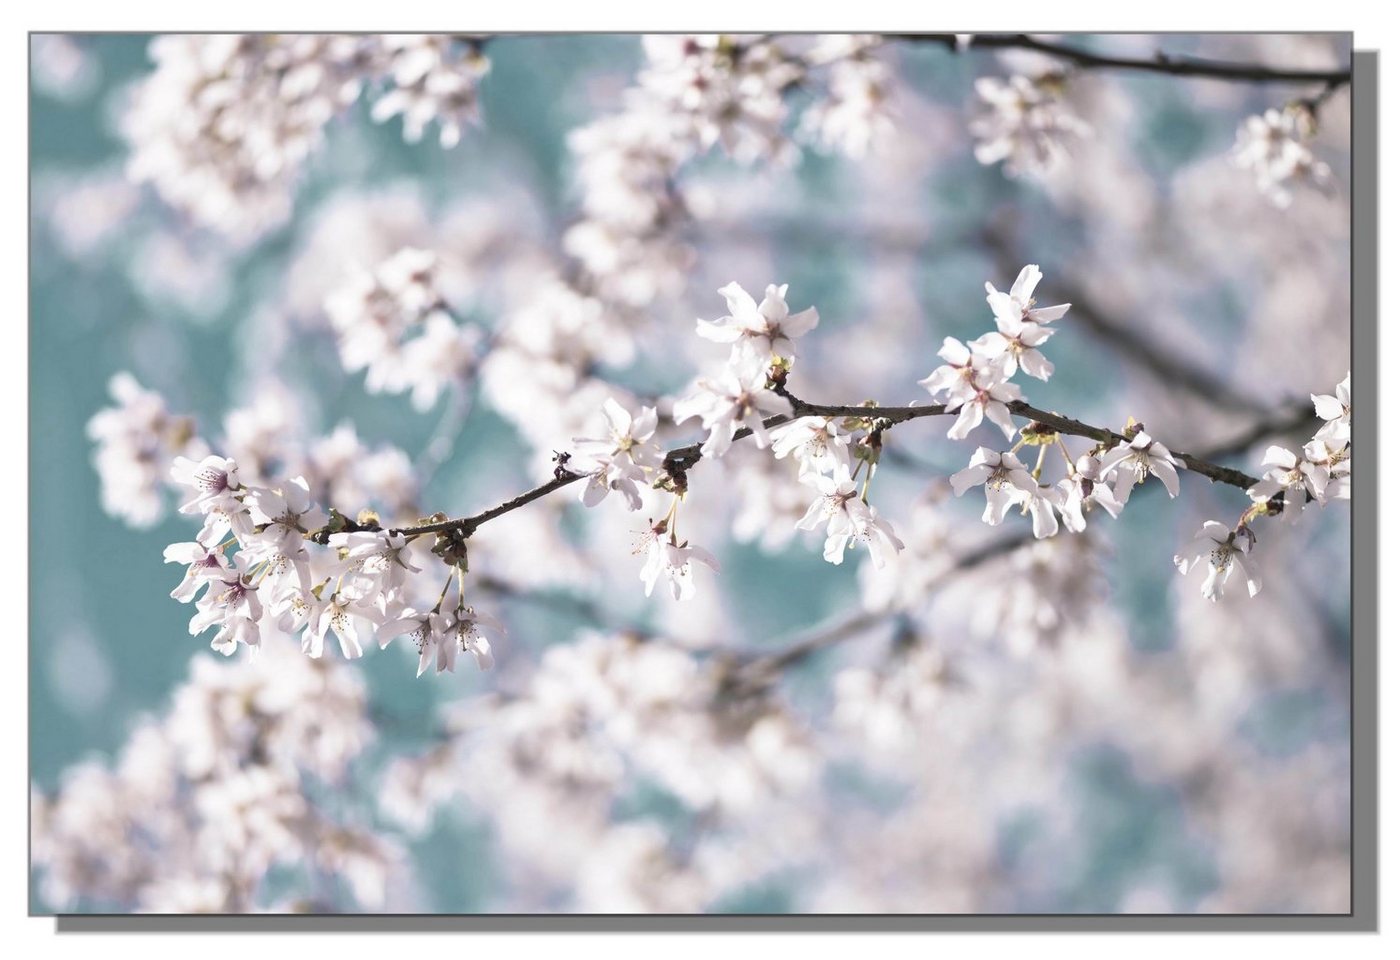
[(1069, 727)]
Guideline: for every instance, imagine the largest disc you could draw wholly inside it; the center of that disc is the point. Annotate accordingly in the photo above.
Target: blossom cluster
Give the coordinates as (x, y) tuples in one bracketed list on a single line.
[(135, 442), (206, 801), (224, 124), (567, 745), (376, 310), (1273, 147), (298, 571), (1024, 123), (1321, 474), (697, 92), (138, 438), (975, 382)]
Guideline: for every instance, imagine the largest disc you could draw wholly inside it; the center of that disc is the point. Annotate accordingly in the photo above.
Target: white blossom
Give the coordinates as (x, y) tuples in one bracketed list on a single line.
[(1005, 478), (1223, 549), (729, 89), (737, 398), (1331, 459), (226, 121), (987, 395), (1018, 305), (621, 460), (428, 632), (954, 379), (848, 518), (1084, 488), (853, 115), (758, 330), (349, 618), (665, 555), (1013, 344), (1295, 478), (816, 443), (1134, 460), (1336, 410), (467, 631)]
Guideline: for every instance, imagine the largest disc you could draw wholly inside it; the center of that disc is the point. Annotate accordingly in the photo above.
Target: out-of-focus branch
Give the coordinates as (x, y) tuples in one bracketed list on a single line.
[(569, 605), (1278, 424), (1130, 342), (838, 631), (1179, 66)]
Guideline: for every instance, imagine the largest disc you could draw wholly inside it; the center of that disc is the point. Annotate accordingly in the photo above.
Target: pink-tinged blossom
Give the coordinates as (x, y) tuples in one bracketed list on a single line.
[(203, 566), (758, 330), (1336, 410), (737, 398), (1004, 477), (231, 603), (1224, 550), (1018, 305), (621, 460), (215, 483), (1135, 460)]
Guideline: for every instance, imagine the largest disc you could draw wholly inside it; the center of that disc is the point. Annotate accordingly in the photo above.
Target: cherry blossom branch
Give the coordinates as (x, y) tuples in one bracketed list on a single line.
[(1181, 66), (679, 460)]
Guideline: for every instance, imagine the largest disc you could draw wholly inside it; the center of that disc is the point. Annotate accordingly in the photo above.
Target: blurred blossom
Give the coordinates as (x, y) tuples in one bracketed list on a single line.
[(205, 801), (1024, 123), (61, 68)]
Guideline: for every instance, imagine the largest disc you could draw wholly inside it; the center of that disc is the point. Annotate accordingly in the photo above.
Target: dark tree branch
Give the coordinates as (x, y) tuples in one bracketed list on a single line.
[(1180, 66), (683, 458)]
